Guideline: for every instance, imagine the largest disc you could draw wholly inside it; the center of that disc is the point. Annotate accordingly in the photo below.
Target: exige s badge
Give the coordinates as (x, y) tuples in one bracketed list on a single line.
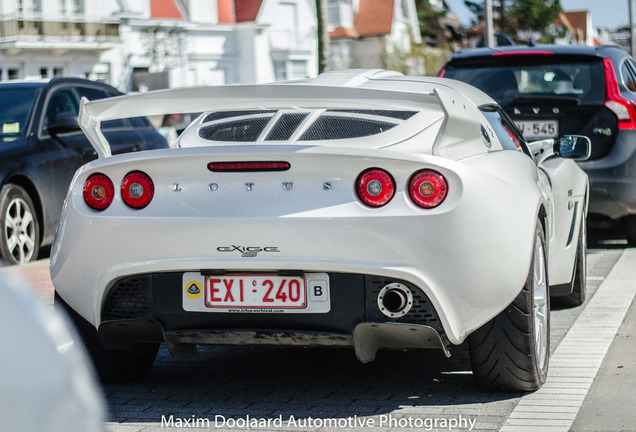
[(248, 251)]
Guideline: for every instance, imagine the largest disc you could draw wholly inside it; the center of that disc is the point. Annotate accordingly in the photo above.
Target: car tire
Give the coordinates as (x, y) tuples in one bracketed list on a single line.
[(511, 352), (20, 239), (579, 284), (112, 365), (630, 229)]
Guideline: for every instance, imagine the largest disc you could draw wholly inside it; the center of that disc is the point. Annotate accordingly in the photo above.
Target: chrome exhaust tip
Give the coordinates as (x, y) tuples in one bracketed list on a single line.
[(395, 300)]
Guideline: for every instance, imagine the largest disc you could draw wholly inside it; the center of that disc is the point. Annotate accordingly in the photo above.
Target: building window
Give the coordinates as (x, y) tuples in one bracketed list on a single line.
[(298, 69), (9, 73), (29, 7), (340, 14), (280, 70), (78, 7), (51, 71)]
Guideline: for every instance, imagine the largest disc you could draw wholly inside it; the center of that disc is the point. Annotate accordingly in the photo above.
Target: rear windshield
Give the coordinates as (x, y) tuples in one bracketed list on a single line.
[(528, 78), (15, 112)]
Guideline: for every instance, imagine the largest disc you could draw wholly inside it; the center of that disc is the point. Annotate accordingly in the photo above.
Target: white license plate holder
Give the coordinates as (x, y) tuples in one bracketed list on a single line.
[(256, 293)]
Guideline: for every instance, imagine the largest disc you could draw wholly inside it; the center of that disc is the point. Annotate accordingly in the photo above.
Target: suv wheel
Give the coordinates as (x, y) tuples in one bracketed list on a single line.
[(20, 240), (579, 283), (630, 229)]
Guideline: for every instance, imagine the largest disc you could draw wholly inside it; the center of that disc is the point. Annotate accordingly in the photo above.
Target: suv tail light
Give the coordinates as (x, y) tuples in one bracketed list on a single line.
[(428, 188), (99, 192), (375, 187), (137, 189), (624, 108)]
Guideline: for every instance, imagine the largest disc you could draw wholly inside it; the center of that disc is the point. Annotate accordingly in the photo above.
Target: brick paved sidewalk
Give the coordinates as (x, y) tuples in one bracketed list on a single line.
[(38, 276)]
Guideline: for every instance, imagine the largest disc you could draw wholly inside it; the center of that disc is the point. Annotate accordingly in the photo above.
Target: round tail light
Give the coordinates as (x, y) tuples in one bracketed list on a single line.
[(99, 192), (137, 189), (428, 188), (375, 187)]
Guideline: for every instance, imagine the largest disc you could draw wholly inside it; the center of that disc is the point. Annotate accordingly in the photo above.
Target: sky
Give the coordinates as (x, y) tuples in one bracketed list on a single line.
[(609, 14)]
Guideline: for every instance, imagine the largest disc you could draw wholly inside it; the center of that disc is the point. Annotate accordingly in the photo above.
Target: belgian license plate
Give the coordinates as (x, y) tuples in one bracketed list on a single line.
[(538, 129), (256, 293)]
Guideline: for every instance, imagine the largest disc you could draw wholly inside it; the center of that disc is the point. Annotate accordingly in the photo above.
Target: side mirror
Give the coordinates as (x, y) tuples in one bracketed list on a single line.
[(64, 122), (575, 147)]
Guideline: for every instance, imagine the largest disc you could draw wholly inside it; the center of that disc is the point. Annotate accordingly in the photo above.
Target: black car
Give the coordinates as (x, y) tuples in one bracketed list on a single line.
[(41, 147), (552, 90)]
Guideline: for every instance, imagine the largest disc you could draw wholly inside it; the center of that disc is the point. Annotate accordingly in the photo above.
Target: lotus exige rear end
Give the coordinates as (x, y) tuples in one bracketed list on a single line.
[(322, 217)]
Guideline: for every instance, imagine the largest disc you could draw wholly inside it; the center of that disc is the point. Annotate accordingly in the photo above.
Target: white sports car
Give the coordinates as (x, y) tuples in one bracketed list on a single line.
[(358, 208)]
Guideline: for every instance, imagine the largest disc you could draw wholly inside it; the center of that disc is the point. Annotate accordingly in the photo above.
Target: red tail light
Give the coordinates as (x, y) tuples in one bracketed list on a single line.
[(137, 189), (519, 53), (99, 192), (375, 187), (624, 109), (248, 166), (428, 188)]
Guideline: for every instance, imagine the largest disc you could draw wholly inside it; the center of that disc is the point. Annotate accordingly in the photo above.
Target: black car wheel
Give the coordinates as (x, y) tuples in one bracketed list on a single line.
[(630, 229), (20, 241), (511, 352), (112, 365)]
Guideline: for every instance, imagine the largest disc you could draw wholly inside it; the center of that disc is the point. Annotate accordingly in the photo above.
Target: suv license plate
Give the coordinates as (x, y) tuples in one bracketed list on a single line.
[(538, 129)]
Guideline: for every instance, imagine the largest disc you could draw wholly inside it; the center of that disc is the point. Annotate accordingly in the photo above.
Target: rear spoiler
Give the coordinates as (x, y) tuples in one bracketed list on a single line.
[(272, 96)]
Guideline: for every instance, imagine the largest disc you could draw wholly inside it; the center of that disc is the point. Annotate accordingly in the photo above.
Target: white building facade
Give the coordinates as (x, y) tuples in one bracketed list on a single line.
[(151, 44), (373, 34)]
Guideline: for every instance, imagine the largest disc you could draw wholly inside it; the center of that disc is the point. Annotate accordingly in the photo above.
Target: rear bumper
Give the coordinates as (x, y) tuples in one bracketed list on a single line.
[(613, 179), (147, 308)]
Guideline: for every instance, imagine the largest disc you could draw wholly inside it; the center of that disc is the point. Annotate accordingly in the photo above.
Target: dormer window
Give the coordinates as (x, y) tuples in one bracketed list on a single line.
[(340, 14)]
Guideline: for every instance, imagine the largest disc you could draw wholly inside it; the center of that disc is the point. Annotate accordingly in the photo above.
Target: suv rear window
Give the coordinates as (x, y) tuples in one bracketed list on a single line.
[(527, 78)]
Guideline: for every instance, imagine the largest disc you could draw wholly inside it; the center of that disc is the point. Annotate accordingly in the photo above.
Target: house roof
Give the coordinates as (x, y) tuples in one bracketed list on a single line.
[(165, 9), (247, 10), (374, 17), (576, 23), (343, 33), (227, 12), (230, 11)]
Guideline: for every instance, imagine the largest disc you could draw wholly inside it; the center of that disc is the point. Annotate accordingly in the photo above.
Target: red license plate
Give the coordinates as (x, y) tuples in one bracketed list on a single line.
[(255, 291)]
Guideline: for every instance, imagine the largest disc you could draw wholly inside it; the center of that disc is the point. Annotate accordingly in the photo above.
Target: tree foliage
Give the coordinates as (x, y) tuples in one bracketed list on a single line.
[(512, 16), (428, 18), (535, 15)]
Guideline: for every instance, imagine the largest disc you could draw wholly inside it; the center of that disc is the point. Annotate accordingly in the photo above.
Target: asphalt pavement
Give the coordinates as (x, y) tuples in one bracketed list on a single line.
[(592, 372)]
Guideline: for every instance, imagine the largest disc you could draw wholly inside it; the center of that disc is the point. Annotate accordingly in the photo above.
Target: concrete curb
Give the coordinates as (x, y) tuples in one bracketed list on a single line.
[(577, 359)]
